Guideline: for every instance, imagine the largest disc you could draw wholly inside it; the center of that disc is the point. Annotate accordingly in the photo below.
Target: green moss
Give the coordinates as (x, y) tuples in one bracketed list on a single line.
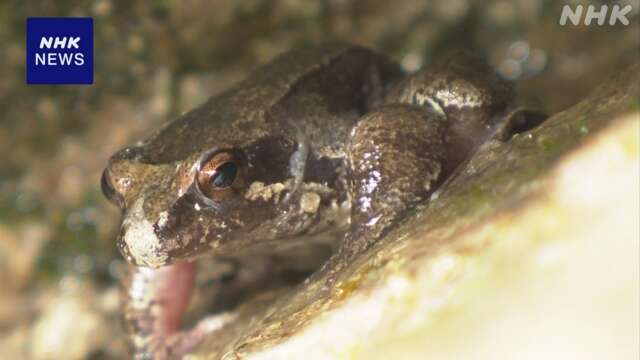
[(583, 126)]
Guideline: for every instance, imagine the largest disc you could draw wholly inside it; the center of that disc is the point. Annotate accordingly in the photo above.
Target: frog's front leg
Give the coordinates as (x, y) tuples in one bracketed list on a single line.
[(432, 124), (394, 161), (155, 301)]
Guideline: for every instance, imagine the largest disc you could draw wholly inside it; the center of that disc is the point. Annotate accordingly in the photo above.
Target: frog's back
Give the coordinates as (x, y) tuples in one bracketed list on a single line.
[(312, 90)]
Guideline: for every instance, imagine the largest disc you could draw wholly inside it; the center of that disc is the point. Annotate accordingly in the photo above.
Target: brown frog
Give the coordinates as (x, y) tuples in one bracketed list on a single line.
[(325, 146)]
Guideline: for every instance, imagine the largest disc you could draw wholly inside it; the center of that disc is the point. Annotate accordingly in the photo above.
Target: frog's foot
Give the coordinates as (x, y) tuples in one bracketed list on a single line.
[(155, 301), (519, 120), (181, 343)]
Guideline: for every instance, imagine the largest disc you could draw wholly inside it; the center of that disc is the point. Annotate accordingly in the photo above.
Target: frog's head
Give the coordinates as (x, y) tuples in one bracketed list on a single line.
[(186, 193)]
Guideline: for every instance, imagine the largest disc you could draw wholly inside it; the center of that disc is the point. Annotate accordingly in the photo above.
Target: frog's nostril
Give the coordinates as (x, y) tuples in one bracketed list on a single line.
[(109, 191), (118, 177)]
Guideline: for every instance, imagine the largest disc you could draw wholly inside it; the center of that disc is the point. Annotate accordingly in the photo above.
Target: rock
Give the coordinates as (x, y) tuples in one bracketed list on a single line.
[(20, 246), (530, 252), (71, 326)]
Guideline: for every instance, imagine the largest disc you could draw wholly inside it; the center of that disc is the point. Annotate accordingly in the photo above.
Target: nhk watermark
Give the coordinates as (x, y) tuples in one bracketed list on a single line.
[(59, 50), (594, 14)]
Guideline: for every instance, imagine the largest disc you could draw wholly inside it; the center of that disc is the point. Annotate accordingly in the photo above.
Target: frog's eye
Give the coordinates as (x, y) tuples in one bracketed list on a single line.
[(222, 175)]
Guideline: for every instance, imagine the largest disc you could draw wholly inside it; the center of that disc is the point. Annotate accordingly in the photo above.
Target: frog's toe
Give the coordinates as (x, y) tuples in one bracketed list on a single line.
[(518, 121)]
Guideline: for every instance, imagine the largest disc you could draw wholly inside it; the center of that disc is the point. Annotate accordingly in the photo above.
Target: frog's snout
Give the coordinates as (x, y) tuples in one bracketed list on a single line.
[(138, 241), (121, 178), (123, 184)]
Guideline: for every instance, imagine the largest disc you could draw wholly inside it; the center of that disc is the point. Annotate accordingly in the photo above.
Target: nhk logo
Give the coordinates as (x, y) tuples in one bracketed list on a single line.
[(57, 58), (59, 51), (615, 14)]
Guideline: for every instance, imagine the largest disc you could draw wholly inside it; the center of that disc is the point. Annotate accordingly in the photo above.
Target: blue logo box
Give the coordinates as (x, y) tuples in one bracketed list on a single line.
[(59, 50)]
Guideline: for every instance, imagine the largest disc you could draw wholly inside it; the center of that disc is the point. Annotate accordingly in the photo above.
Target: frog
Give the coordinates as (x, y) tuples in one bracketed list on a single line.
[(320, 151)]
